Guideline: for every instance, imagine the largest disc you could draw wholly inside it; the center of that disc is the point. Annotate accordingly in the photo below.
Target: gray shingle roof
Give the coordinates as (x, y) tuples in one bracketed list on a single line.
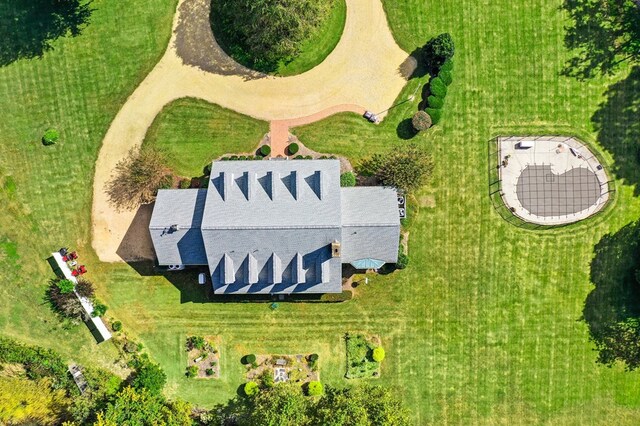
[(175, 227), (370, 224), (268, 226), (273, 194)]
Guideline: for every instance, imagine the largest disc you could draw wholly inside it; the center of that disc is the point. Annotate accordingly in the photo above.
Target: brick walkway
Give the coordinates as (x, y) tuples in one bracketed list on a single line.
[(279, 129)]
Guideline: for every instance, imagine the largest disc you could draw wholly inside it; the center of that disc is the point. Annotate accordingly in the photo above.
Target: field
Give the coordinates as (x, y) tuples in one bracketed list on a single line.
[(485, 326)]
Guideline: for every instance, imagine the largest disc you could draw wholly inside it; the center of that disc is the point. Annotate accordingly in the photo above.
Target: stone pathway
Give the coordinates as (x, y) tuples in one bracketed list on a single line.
[(364, 69), (279, 129)]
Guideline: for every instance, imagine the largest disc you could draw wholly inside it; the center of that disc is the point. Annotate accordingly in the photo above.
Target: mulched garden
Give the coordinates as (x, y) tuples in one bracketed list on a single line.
[(203, 357), (297, 368)]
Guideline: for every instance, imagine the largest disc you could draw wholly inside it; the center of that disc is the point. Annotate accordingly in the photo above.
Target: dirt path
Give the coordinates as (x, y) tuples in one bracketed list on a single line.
[(363, 70)]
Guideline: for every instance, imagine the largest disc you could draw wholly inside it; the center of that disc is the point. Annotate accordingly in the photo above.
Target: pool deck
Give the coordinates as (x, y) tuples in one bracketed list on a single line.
[(562, 154)]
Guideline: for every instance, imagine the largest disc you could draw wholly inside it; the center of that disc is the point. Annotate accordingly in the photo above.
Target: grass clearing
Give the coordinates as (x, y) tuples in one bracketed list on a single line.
[(193, 132)]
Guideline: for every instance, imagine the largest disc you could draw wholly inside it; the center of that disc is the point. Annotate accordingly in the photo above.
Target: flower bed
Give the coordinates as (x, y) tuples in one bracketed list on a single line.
[(269, 369), (203, 357)]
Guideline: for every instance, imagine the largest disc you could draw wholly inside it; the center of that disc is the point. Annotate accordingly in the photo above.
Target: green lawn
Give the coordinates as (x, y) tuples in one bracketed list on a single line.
[(193, 132), (484, 326)]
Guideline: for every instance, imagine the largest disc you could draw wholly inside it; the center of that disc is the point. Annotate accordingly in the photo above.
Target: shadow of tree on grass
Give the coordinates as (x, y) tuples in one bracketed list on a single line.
[(604, 34), (617, 122), (612, 309), (28, 27)]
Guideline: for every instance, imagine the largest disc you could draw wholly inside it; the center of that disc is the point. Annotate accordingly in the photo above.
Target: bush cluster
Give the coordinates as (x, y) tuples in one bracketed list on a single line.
[(50, 137), (192, 371), (438, 54), (37, 362), (195, 342), (185, 183), (347, 179)]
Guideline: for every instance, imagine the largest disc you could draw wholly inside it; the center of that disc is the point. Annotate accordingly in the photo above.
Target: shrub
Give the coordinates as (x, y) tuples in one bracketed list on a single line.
[(85, 288), (315, 388), (308, 157), (421, 121), (378, 354), (50, 137), (293, 148), (116, 326), (313, 357), (192, 371), (204, 182), (435, 102), (195, 342), (435, 114), (206, 170), (233, 157), (250, 359), (209, 371), (445, 76), (251, 389), (130, 347), (437, 87), (185, 183), (65, 286), (403, 261), (441, 48), (447, 65), (67, 304), (99, 309), (347, 179), (266, 378), (299, 157), (265, 150), (137, 178)]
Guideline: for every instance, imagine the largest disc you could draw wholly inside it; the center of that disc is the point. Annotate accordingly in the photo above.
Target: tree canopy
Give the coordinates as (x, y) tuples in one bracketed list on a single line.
[(263, 33), (137, 178), (605, 34), (406, 168)]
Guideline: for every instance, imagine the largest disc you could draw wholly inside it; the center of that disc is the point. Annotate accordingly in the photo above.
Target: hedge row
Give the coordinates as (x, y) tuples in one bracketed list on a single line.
[(438, 89)]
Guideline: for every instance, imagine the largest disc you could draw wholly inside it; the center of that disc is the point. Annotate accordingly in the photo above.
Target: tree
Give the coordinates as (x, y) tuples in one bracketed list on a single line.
[(347, 179), (141, 407), (24, 401), (407, 168), (605, 34), (421, 121), (150, 376), (439, 49), (263, 33), (360, 405), (283, 405), (30, 28), (137, 178)]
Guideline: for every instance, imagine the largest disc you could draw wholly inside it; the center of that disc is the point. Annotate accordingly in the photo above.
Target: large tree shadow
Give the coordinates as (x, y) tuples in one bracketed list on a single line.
[(28, 27), (617, 122), (615, 300), (604, 34)]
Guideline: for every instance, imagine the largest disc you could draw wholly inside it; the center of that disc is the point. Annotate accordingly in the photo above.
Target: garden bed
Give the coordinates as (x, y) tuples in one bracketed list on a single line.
[(203, 357), (298, 368), (360, 362)]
